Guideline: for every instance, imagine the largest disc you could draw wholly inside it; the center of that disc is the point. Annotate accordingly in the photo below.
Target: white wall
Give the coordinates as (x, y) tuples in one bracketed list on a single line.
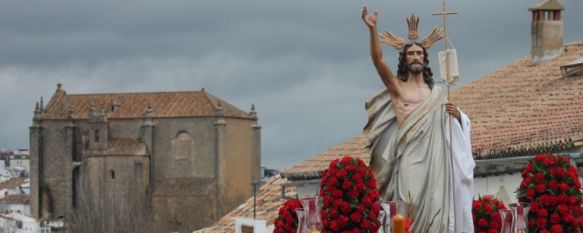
[(496, 185)]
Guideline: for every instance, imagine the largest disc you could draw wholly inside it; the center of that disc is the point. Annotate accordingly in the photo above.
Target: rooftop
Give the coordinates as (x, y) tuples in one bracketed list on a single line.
[(134, 105), (524, 109)]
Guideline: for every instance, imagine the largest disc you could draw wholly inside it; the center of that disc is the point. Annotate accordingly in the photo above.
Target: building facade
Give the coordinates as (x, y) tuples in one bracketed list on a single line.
[(180, 160)]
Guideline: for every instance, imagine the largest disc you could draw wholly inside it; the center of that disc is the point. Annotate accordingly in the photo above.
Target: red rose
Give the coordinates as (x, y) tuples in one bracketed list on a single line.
[(565, 159), (337, 194), (346, 208), (355, 217), (346, 160), (333, 181), (333, 225), (540, 188), (477, 204), (333, 165), (353, 193), (564, 187), (358, 178), (343, 220), (527, 170), (360, 187), (495, 216), (482, 222), (549, 161), (341, 174), (572, 200), (338, 203), (351, 168), (333, 213), (542, 212), (487, 208), (539, 177), (555, 218), (557, 228), (372, 183), (563, 209), (347, 184), (494, 225), (365, 224), (530, 193), (541, 222)]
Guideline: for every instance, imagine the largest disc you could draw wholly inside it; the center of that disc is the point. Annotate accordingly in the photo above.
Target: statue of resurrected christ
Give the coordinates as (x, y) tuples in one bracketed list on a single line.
[(408, 132)]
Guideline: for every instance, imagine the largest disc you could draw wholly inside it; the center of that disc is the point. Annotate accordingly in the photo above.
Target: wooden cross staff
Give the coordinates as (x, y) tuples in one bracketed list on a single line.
[(444, 12)]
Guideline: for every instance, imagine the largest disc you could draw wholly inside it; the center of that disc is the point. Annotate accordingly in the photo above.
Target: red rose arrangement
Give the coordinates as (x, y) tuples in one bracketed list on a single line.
[(349, 197), (486, 215), (287, 219), (551, 184)]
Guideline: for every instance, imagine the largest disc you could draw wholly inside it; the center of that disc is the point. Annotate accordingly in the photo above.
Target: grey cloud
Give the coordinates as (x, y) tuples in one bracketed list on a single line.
[(305, 64)]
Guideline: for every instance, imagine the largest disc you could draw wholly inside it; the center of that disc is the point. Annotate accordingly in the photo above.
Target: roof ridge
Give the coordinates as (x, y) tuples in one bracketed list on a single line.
[(225, 104), (574, 43), (133, 93), (208, 98)]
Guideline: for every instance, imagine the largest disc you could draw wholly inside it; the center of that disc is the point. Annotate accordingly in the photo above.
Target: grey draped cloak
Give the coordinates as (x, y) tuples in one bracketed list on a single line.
[(413, 159)]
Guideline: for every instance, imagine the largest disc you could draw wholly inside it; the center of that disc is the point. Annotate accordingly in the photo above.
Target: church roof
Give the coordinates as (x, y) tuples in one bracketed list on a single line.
[(134, 105), (524, 109)]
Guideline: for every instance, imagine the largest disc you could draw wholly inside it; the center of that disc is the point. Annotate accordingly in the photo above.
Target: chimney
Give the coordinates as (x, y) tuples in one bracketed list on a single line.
[(546, 30)]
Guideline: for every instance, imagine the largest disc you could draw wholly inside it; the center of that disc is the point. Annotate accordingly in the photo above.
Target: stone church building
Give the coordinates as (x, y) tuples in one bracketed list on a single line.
[(180, 160)]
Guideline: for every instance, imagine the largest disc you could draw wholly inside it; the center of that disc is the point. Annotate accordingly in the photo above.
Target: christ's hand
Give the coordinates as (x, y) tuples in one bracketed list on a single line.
[(369, 20), (453, 110)]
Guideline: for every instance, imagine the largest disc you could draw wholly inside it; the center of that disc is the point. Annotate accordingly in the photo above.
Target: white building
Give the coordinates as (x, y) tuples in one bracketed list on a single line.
[(16, 222)]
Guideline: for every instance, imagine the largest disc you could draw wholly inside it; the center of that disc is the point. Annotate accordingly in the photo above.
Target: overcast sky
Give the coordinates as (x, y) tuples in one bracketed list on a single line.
[(305, 64)]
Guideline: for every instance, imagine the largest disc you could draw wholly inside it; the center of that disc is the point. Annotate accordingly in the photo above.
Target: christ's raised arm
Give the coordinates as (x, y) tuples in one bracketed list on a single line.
[(376, 53)]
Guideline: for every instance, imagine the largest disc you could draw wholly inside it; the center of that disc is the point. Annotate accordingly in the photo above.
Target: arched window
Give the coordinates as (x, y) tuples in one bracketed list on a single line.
[(182, 145)]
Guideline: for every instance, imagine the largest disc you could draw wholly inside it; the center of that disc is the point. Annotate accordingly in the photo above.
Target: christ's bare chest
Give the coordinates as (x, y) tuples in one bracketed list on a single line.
[(409, 100)]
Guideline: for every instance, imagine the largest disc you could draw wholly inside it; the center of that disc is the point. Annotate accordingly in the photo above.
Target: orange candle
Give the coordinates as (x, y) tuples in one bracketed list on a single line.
[(398, 223)]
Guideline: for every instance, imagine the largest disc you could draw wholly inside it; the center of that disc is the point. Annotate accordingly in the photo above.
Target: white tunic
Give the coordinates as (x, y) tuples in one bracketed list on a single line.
[(463, 174)]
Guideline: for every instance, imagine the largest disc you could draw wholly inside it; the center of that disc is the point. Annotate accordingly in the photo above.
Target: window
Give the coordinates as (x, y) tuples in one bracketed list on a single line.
[(112, 174), (96, 135), (182, 145)]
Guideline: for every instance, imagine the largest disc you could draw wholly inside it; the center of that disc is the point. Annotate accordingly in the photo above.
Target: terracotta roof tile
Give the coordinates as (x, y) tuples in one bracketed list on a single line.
[(133, 105), (313, 167), (12, 183), (16, 199), (268, 202), (523, 108)]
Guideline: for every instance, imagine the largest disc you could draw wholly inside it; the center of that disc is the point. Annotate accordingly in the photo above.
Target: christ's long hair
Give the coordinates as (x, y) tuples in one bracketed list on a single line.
[(403, 70)]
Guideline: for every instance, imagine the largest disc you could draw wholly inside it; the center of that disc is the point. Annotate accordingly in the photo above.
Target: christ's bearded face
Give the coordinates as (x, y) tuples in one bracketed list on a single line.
[(415, 58)]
